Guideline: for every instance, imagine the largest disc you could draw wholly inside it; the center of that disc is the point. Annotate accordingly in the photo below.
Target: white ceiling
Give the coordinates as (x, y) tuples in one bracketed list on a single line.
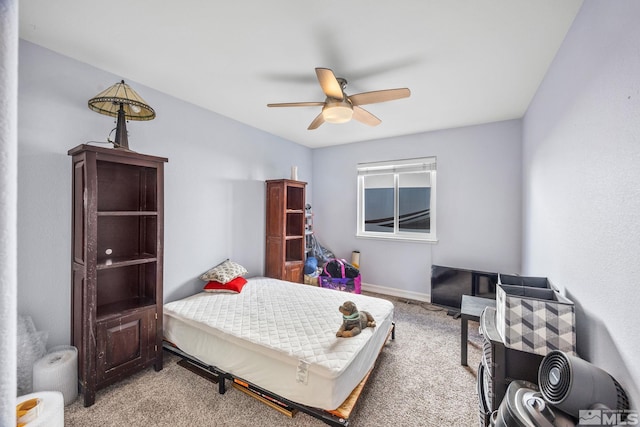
[(465, 61)]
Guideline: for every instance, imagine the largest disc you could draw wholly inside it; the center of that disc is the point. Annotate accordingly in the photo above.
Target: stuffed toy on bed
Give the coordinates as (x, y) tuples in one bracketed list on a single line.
[(353, 321)]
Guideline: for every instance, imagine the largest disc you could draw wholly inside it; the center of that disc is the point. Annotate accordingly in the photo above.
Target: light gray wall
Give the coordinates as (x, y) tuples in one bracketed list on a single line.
[(214, 182), (582, 183), (478, 204)]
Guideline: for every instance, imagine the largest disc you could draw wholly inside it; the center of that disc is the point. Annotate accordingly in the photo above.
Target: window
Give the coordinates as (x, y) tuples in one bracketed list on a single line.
[(397, 199)]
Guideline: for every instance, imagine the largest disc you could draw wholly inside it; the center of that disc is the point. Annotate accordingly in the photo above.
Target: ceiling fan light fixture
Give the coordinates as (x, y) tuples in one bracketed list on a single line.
[(337, 112), (340, 108)]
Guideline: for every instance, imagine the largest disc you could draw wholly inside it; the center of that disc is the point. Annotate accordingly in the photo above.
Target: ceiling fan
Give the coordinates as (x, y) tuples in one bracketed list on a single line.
[(340, 107)]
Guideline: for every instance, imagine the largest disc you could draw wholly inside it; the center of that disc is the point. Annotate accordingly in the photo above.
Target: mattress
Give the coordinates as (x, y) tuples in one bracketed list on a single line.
[(281, 336)]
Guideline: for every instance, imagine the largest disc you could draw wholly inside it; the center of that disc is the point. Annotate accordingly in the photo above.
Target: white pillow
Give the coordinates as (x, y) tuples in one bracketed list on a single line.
[(225, 272)]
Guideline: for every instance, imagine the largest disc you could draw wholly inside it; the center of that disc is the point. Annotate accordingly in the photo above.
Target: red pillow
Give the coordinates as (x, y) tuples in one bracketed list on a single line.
[(234, 286)]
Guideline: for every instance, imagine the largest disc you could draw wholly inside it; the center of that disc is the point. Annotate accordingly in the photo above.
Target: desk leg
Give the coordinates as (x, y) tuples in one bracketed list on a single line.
[(464, 334)]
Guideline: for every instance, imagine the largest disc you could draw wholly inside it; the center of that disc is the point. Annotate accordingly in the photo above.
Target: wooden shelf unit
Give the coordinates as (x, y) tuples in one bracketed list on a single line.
[(117, 264), (285, 229)]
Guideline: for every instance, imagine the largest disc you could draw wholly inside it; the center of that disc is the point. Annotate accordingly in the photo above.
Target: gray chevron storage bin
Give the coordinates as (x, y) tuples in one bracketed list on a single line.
[(535, 320)]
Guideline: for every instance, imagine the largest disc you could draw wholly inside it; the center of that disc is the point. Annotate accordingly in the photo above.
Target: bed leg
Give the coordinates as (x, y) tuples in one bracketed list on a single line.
[(393, 330), (221, 386)]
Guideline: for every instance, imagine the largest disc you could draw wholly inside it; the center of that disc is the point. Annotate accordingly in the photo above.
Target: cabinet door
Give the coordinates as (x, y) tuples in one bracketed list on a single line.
[(293, 271), (125, 343)]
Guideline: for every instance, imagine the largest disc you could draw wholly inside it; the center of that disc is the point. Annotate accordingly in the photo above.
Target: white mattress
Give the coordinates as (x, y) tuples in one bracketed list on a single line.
[(281, 336)]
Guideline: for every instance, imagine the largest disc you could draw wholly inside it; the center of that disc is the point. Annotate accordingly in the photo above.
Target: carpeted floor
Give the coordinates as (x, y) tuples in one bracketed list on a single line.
[(418, 381)]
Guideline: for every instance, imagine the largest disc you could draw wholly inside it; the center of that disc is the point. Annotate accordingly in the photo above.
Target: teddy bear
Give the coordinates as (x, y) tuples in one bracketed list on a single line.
[(353, 321)]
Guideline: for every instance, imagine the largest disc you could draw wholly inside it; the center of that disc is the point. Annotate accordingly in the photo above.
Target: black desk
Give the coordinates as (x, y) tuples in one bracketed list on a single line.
[(470, 309)]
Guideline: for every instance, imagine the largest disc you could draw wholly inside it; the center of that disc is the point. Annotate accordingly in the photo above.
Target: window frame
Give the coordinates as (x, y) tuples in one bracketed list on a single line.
[(397, 168)]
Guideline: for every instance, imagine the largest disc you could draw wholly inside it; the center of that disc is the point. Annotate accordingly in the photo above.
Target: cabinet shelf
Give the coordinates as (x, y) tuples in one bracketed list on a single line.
[(126, 238), (128, 213), (122, 308), (125, 261)]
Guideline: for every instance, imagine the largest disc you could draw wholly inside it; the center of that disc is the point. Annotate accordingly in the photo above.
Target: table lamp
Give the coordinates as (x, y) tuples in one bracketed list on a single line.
[(124, 103)]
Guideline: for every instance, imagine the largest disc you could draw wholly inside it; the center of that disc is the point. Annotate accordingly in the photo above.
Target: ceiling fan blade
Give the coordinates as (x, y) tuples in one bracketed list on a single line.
[(329, 83), (296, 104), (376, 96), (362, 115), (316, 122)]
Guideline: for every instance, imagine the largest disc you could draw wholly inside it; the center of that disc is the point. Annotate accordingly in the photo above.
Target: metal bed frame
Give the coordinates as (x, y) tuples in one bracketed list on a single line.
[(280, 403)]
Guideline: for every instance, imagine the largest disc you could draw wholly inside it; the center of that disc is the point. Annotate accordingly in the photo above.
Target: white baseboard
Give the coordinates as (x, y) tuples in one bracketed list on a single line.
[(400, 293)]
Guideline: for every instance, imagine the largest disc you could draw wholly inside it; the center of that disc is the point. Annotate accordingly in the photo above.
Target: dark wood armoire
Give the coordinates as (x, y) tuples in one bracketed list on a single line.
[(285, 229), (116, 264)]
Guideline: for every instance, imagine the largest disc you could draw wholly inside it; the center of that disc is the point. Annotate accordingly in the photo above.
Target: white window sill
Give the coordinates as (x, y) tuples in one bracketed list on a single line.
[(397, 238)]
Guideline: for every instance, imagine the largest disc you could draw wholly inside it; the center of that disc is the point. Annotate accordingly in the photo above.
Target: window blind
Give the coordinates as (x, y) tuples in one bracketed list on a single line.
[(397, 166)]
